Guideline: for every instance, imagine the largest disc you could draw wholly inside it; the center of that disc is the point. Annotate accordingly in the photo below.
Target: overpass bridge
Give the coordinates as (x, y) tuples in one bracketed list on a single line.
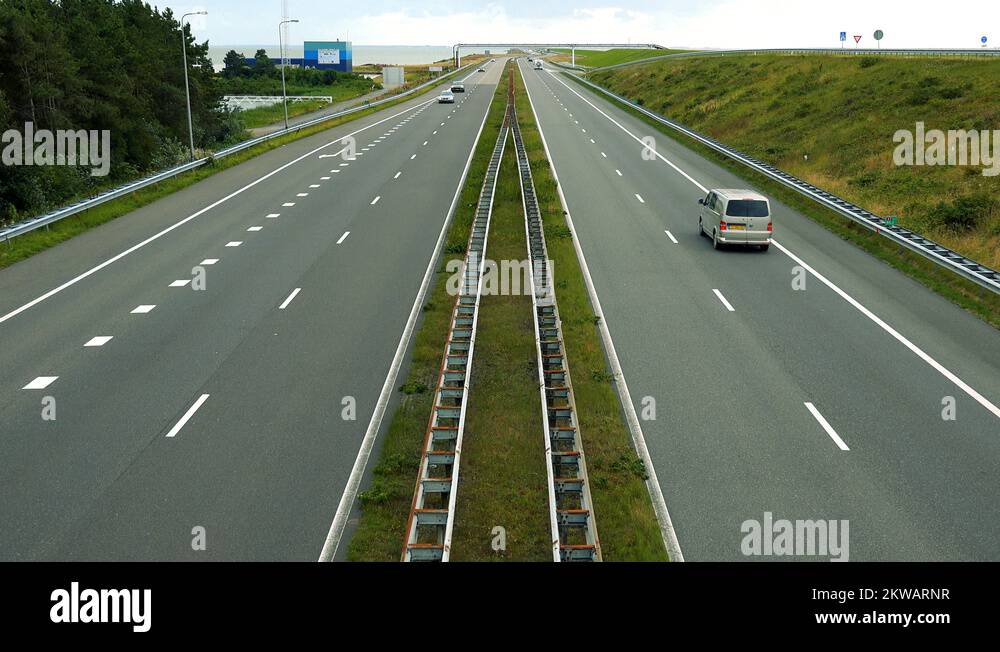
[(457, 48)]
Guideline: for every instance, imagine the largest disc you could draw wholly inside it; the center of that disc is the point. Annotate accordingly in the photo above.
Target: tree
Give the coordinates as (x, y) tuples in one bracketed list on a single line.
[(263, 66), (235, 65)]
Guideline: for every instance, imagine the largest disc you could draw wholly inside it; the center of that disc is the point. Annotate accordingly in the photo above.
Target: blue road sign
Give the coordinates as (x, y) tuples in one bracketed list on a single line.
[(843, 36), (983, 40)]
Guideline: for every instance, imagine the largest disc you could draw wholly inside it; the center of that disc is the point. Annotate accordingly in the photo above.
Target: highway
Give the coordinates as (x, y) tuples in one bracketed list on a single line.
[(221, 408), (823, 403)]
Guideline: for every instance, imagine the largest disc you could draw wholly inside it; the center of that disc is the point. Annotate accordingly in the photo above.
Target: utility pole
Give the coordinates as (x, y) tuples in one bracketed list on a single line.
[(187, 89), (281, 45)]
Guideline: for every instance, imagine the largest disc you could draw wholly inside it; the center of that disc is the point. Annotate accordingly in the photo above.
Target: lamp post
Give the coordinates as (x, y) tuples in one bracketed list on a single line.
[(187, 89), (281, 45)]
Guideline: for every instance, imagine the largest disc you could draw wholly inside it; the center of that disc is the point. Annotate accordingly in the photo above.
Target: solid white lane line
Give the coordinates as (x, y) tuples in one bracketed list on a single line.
[(209, 261), (187, 415), (100, 340), (635, 427), (375, 201), (728, 305), (671, 236), (156, 236), (396, 176), (344, 237), (234, 243), (255, 228), (920, 353), (634, 137), (179, 283), (350, 493), (284, 304), (827, 427), (41, 382), (143, 309), (639, 197)]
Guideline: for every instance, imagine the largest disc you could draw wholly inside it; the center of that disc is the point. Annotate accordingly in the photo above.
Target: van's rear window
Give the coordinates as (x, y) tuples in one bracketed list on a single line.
[(747, 208)]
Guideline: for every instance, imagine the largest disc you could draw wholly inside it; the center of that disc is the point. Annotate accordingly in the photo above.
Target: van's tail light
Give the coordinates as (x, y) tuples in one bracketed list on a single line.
[(770, 227), (723, 226)]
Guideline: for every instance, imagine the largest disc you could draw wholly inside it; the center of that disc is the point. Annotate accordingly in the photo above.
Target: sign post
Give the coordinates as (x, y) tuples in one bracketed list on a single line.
[(857, 39)]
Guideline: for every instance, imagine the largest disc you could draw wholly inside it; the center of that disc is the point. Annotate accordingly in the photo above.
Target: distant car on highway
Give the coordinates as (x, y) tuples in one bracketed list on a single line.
[(457, 88), (446, 97), (481, 70), (538, 65), (737, 217)]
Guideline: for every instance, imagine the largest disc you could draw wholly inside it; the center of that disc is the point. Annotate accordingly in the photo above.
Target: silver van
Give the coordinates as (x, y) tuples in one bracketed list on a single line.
[(737, 217)]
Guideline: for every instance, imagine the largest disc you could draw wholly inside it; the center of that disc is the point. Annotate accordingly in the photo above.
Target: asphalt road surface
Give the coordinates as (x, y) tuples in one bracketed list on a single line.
[(817, 404), (217, 414)]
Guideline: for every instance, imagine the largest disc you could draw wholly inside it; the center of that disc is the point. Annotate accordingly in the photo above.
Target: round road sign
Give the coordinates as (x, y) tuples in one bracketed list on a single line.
[(878, 35)]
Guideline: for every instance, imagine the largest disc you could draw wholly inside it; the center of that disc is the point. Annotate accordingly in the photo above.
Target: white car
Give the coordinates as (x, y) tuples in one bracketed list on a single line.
[(739, 217), (446, 97)]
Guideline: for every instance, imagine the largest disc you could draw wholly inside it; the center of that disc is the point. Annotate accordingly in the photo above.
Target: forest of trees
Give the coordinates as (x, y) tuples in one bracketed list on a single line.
[(263, 77), (102, 64)]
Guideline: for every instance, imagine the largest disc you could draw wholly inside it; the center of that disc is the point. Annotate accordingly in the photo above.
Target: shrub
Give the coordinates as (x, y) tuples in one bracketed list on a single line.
[(965, 213)]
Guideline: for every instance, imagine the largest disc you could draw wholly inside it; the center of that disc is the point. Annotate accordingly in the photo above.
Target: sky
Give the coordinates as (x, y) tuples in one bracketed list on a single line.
[(671, 23)]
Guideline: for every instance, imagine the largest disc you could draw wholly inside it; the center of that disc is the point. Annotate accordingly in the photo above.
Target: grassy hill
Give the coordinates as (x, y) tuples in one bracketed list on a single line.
[(842, 112), (598, 58)]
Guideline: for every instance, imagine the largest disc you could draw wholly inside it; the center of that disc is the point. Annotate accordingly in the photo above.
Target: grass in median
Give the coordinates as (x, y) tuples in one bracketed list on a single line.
[(966, 294), (502, 480), (626, 521), (31, 243), (264, 116), (385, 504)]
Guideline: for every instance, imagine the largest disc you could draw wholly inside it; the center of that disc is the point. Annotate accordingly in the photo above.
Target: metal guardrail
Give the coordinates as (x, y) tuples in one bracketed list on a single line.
[(571, 514), (252, 101), (938, 253), (31, 224), (432, 514), (867, 52)]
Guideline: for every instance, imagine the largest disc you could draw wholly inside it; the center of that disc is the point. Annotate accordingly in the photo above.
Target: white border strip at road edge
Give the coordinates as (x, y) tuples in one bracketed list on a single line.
[(944, 371), (92, 270), (350, 494), (670, 541)]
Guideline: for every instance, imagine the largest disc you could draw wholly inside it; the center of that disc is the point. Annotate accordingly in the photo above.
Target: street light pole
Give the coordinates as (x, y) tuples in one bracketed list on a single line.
[(187, 89), (281, 46)]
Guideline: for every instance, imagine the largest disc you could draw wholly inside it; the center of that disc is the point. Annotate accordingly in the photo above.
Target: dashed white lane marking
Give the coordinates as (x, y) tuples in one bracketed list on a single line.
[(827, 427), (671, 236), (728, 305), (187, 415), (324, 178), (375, 201), (179, 283), (435, 132), (344, 165), (41, 382), (442, 124), (592, 140), (413, 157), (234, 243), (302, 194), (639, 197), (314, 185), (396, 176), (288, 204), (100, 340), (425, 142), (343, 237), (618, 171), (284, 304), (253, 229), (143, 309), (273, 215), (334, 171), (604, 155), (209, 261)]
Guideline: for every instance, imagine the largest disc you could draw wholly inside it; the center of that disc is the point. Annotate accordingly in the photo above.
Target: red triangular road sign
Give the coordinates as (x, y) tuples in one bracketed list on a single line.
[(857, 38)]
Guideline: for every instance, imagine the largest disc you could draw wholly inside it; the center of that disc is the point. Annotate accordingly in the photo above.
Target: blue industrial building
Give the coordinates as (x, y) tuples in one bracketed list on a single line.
[(328, 55)]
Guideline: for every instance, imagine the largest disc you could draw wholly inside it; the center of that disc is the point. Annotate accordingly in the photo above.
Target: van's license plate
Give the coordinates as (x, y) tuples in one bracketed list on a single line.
[(738, 227)]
